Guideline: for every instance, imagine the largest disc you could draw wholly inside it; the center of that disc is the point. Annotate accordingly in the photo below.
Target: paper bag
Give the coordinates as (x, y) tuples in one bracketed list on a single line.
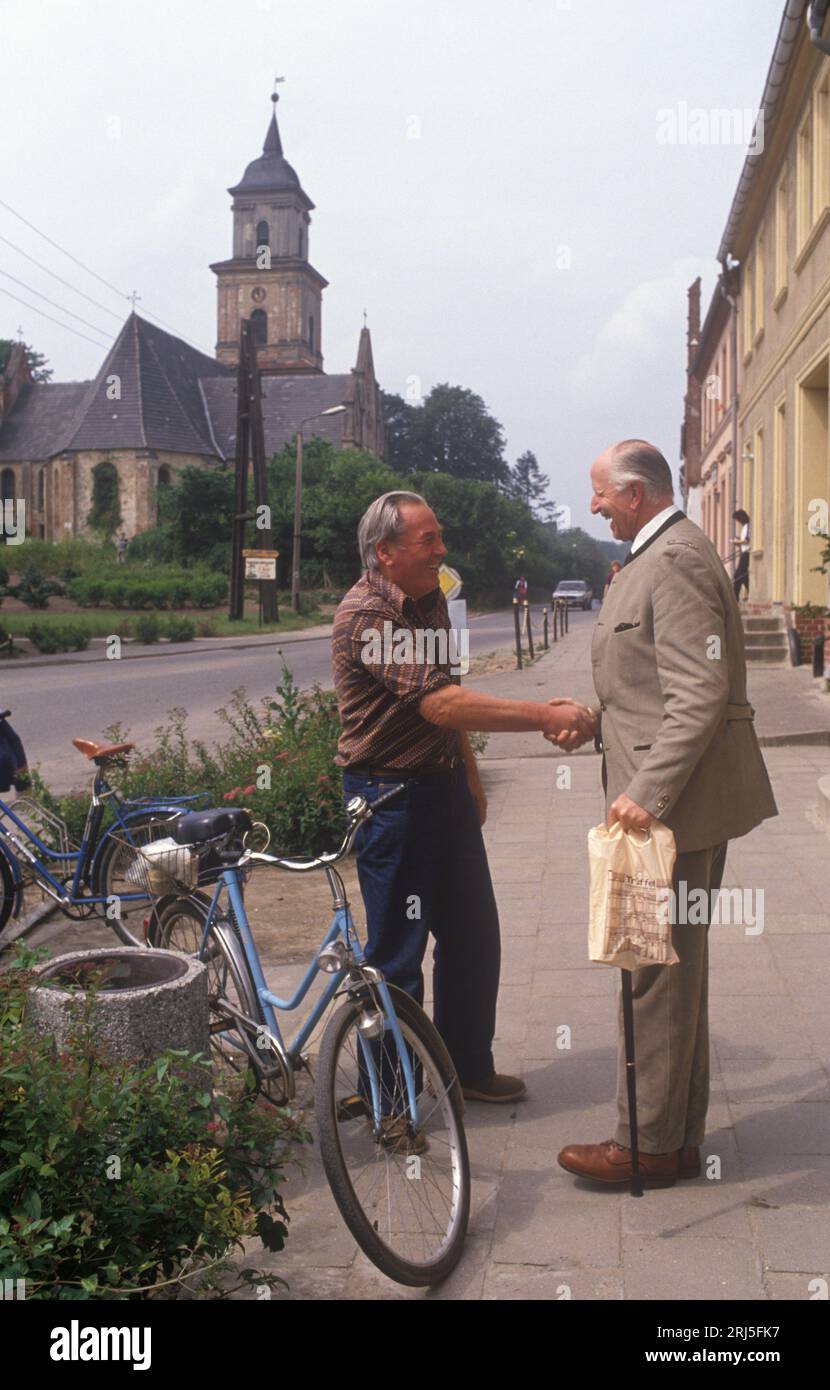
[(631, 880)]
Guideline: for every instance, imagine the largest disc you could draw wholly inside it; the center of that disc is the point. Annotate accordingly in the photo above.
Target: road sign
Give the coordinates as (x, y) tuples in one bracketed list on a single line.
[(450, 581), (260, 564)]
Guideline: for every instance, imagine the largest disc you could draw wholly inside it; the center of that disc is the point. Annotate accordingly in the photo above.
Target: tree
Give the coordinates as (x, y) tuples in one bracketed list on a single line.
[(105, 513), (36, 360), (451, 432), (529, 484)]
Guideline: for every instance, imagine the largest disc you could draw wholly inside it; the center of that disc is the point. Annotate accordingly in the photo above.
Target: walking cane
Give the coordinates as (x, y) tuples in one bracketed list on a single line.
[(631, 1080)]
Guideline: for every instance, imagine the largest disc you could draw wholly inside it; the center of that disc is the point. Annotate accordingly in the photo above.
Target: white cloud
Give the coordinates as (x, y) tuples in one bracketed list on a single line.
[(634, 343)]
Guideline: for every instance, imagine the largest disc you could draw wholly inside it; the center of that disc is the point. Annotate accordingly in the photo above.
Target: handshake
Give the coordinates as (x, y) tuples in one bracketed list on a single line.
[(569, 724)]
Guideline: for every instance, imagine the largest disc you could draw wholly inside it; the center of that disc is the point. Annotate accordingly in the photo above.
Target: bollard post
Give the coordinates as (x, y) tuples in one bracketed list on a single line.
[(528, 630), (545, 628), (517, 626), (554, 608), (567, 609)]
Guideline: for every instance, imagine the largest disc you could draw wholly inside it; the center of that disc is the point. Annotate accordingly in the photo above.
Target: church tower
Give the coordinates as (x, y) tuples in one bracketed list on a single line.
[(269, 278)]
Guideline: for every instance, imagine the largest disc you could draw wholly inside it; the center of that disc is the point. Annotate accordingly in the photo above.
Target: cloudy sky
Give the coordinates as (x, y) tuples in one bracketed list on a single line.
[(509, 188)]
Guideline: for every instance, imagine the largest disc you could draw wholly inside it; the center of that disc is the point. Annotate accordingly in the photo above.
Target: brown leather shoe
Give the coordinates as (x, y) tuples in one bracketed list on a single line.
[(497, 1089), (688, 1162), (609, 1163)]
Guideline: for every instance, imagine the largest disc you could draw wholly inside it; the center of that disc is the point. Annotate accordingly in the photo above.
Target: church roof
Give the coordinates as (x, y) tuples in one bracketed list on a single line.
[(286, 402), (271, 172), (157, 402)]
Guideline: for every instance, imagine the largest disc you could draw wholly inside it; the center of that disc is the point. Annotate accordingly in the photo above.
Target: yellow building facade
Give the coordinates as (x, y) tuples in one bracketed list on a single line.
[(779, 233)]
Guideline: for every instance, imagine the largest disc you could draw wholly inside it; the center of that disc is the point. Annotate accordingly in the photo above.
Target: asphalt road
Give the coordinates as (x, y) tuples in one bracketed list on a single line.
[(52, 704)]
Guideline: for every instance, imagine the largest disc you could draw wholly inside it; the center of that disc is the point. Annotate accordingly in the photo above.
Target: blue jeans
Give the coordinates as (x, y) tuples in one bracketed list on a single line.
[(423, 869)]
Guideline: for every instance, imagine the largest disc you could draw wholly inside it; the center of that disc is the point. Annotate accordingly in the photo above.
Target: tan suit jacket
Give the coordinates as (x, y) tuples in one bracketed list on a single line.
[(670, 673)]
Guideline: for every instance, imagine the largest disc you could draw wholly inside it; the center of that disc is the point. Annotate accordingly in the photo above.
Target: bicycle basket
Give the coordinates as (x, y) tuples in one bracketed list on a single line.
[(160, 867)]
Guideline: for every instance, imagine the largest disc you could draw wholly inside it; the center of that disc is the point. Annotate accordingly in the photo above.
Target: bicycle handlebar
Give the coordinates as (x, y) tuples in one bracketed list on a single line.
[(358, 810)]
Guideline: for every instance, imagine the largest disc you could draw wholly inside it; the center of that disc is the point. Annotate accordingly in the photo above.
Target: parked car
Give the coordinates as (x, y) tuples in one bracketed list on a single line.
[(574, 592)]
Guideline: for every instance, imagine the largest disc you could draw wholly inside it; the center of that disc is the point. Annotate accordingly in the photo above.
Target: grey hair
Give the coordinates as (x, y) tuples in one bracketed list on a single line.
[(382, 522), (636, 461)]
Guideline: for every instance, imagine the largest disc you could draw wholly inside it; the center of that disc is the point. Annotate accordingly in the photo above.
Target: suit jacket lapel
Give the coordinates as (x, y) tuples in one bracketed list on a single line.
[(670, 521)]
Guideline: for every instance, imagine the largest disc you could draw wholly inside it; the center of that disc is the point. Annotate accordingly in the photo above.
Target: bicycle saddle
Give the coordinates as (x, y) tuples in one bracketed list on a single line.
[(100, 751), (196, 826)]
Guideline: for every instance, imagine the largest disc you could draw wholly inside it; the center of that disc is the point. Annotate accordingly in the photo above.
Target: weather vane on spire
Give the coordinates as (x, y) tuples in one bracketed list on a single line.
[(275, 96)]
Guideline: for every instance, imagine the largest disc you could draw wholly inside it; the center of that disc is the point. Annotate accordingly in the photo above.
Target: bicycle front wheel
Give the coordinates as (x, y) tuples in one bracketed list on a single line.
[(403, 1190), (240, 1043)]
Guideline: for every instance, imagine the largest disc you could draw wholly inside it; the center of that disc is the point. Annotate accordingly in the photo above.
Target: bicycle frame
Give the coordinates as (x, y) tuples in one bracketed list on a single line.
[(86, 856), (342, 927)]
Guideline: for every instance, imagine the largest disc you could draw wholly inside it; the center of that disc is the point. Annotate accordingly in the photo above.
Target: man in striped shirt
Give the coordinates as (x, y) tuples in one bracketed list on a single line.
[(422, 864)]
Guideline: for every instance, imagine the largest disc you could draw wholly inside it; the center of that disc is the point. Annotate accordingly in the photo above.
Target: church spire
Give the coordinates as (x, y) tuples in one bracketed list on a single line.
[(273, 143)]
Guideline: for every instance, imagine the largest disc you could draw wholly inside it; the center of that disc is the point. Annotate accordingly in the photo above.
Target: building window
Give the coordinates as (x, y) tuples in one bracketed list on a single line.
[(105, 513), (300, 243), (259, 327), (748, 325), (263, 234), (41, 489), (756, 504), (804, 179), (779, 502), (758, 289), (311, 331), (821, 147), (781, 237)]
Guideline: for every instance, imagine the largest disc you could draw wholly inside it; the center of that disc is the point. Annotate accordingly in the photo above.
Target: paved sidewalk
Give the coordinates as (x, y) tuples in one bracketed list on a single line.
[(760, 1230)]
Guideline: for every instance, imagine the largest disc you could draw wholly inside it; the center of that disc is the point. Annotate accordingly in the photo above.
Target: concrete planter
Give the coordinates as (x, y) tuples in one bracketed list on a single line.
[(148, 1000)]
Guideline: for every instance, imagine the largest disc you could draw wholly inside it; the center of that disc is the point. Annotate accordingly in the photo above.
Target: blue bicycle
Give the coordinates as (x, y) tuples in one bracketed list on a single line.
[(93, 878), (387, 1098)]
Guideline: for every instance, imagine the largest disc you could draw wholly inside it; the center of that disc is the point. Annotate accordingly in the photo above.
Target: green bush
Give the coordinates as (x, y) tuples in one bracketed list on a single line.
[(58, 635), (34, 590), (290, 740), (147, 628), (126, 1182), (208, 592), (142, 588), (180, 629)]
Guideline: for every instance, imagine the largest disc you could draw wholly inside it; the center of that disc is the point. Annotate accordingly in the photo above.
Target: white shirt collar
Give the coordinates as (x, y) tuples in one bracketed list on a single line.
[(650, 527)]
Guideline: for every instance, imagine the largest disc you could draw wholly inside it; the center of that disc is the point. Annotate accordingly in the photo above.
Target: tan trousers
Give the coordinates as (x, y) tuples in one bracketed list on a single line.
[(671, 1027)]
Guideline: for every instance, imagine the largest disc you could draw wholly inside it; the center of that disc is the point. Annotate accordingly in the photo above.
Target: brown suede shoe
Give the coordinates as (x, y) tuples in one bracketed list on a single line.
[(609, 1163), (688, 1162), (499, 1090)]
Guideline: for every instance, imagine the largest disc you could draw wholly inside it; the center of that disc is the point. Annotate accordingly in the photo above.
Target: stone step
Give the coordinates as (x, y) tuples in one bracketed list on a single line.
[(768, 656), (765, 639), (763, 625)]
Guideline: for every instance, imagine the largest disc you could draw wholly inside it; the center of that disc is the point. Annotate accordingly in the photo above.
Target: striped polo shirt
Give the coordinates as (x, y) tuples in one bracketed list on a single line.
[(386, 656)]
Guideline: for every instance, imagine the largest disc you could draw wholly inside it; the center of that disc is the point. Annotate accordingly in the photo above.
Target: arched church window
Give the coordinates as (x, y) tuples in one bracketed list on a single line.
[(41, 489), (8, 485), (263, 235), (311, 330), (163, 479), (300, 243), (259, 326)]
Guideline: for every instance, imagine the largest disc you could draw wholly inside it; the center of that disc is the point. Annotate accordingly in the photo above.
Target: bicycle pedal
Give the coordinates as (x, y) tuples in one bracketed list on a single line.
[(351, 1108)]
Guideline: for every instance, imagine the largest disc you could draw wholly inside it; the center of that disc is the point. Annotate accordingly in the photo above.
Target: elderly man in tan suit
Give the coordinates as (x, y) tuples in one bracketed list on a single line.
[(678, 746)]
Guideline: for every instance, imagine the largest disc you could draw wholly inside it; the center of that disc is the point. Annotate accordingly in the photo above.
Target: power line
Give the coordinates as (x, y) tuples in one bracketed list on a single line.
[(96, 276), (94, 326), (59, 278), (67, 326)]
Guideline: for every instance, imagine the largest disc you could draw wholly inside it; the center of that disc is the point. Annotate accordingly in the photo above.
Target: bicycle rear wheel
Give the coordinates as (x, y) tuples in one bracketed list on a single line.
[(403, 1193), (241, 1046)]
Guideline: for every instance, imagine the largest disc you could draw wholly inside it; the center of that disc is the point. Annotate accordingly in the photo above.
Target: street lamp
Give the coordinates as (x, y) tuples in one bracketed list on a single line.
[(298, 503)]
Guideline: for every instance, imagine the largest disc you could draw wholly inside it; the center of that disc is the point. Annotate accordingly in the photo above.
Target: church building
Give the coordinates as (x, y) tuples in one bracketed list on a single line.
[(158, 405)]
